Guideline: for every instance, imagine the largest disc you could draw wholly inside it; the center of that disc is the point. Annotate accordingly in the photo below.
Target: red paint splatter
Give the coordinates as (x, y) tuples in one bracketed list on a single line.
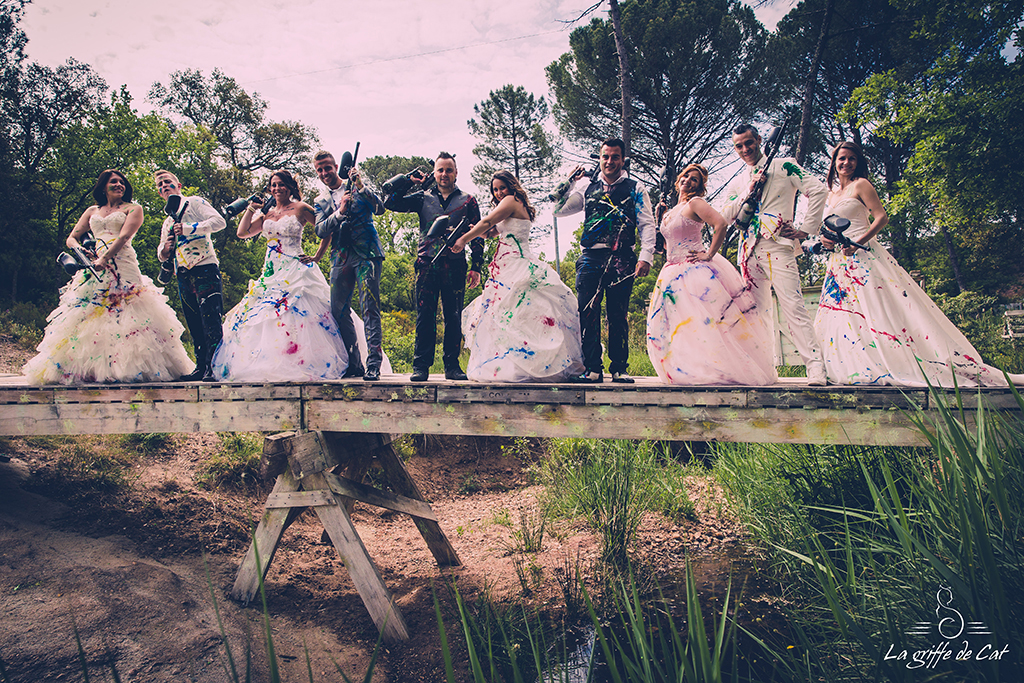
[(291, 348), (548, 320)]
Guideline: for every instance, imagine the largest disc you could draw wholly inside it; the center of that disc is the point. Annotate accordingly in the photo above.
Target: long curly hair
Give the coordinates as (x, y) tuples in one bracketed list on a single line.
[(99, 190), (702, 187), (512, 183), (288, 181)]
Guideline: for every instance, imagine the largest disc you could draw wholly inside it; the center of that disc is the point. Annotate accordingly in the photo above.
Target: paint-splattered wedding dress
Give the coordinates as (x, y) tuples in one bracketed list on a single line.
[(525, 326), (702, 326), (876, 325), (282, 329), (118, 328)]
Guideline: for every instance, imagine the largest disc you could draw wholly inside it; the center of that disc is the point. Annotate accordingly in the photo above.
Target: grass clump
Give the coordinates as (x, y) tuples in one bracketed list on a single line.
[(612, 484), (85, 464), (876, 543), (236, 464)]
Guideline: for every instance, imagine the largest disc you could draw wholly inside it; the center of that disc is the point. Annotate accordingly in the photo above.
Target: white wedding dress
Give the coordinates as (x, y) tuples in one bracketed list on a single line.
[(877, 326), (525, 326), (282, 330), (118, 328)]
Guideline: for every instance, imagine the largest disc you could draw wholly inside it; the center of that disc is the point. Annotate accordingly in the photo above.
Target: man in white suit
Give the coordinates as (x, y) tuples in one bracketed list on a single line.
[(767, 256)]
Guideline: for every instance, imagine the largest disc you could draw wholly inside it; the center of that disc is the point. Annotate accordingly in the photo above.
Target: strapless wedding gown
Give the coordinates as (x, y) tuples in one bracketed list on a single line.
[(282, 329), (525, 326), (702, 325), (118, 328), (877, 326)]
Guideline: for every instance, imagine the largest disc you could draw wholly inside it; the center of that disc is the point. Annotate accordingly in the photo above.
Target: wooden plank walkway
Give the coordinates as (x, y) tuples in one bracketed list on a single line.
[(788, 412)]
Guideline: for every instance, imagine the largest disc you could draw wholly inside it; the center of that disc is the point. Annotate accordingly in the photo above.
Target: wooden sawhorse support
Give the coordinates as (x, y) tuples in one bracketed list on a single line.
[(307, 467)]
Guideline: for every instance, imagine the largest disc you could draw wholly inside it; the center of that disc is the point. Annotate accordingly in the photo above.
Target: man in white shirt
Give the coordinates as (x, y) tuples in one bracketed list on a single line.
[(767, 255), (617, 213), (198, 271)]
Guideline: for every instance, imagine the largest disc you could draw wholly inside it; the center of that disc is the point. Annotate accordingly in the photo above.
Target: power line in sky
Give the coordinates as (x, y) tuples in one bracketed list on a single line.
[(398, 59)]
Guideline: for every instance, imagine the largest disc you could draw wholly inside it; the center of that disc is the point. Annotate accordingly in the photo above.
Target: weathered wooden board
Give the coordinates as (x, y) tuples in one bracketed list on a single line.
[(509, 394), (249, 392), (662, 423), (268, 534), (667, 396), (298, 499), (384, 499), (26, 419), (373, 391), (127, 393)]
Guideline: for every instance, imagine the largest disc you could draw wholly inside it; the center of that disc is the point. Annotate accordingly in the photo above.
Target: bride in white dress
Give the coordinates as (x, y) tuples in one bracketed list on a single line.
[(875, 324), (282, 330), (118, 327), (525, 326)]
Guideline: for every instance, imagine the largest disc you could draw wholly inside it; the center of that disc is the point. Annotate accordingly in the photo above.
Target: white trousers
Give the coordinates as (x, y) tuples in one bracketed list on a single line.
[(774, 265)]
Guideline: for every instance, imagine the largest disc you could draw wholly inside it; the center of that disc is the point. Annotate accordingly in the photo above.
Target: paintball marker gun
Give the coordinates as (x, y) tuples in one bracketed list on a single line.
[(174, 208), (439, 227), (833, 230), (403, 182), (79, 259), (238, 206)]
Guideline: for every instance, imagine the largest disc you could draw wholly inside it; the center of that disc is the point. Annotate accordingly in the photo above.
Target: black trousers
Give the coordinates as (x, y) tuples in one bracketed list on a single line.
[(445, 280), (602, 272), (202, 301)]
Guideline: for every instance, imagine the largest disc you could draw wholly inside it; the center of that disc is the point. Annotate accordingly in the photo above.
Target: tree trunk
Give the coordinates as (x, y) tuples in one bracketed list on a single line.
[(625, 85), (810, 85), (953, 261)]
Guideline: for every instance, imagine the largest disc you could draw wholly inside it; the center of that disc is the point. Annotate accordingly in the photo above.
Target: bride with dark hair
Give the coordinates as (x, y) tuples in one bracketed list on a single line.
[(282, 330), (117, 327), (875, 324), (524, 326)]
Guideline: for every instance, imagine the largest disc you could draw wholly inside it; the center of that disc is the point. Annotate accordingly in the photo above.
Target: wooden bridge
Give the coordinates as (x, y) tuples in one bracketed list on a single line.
[(328, 436), (788, 412)]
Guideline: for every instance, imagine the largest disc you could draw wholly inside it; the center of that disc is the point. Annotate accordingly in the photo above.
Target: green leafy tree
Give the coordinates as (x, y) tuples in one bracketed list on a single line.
[(697, 69), (961, 118), (510, 127), (237, 119)]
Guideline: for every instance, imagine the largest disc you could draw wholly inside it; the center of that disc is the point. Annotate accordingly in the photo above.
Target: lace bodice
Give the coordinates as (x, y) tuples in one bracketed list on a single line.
[(287, 231), (682, 235), (107, 227), (854, 210)]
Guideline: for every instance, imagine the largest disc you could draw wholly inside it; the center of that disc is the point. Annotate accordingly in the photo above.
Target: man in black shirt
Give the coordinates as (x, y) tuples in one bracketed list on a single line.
[(446, 279)]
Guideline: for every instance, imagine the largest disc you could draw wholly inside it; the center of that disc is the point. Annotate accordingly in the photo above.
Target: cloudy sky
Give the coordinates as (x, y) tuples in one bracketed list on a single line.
[(400, 77)]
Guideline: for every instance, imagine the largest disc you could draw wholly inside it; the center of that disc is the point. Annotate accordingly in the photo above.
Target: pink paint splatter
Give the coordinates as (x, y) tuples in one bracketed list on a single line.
[(291, 348), (548, 320)]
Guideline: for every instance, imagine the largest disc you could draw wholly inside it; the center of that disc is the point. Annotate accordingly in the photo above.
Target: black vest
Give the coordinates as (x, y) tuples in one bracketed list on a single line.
[(602, 222)]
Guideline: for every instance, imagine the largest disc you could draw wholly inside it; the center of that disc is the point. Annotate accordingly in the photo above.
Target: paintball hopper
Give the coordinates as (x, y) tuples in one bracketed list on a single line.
[(833, 230), (773, 136), (174, 207), (439, 227), (402, 183), (345, 165)]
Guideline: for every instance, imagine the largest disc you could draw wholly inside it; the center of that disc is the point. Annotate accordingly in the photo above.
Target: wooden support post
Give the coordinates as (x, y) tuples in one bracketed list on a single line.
[(404, 485), (306, 466), (268, 534), (363, 572)]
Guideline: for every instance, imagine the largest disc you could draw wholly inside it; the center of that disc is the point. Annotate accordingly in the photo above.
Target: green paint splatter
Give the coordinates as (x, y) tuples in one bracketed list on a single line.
[(793, 169)]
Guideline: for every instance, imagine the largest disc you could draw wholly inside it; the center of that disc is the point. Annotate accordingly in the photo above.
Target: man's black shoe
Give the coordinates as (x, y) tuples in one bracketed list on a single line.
[(194, 376), (353, 371), (621, 378), (420, 375), (595, 377), (209, 376), (456, 374), (372, 375)]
